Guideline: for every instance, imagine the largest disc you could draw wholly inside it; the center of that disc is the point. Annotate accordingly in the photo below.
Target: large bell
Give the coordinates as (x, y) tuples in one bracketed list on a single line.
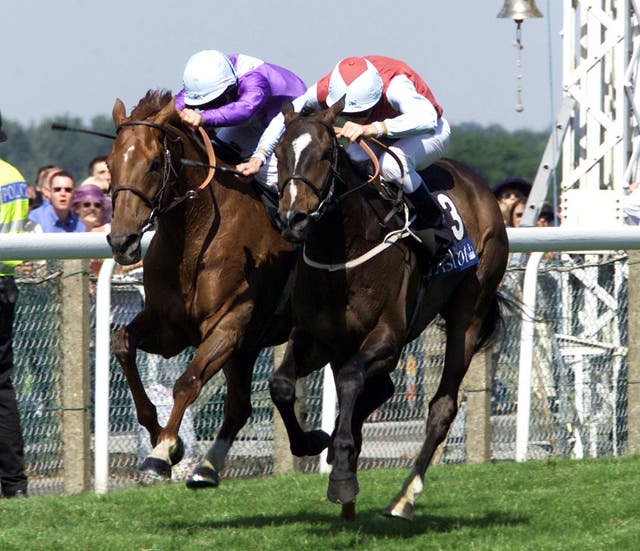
[(519, 10)]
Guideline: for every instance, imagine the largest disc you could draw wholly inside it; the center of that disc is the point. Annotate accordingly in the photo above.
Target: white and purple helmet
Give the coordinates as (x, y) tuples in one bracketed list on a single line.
[(206, 76)]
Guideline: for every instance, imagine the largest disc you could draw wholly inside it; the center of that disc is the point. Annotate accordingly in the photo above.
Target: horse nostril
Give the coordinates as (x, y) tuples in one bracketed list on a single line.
[(120, 244), (298, 220), (292, 221)]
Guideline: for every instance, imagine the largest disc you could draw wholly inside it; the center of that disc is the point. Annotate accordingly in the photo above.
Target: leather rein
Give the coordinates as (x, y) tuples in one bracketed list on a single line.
[(168, 134), (326, 193)]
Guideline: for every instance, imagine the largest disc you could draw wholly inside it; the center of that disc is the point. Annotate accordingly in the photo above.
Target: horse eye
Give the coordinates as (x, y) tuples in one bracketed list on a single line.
[(155, 165), (326, 155)]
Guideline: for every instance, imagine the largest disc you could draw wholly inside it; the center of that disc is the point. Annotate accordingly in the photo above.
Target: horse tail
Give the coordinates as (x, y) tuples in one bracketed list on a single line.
[(493, 321)]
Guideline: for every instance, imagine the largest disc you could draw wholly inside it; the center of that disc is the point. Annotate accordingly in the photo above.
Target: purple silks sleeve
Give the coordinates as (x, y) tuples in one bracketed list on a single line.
[(179, 102), (253, 90)]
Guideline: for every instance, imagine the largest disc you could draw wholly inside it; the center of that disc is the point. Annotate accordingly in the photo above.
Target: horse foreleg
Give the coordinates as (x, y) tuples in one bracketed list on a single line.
[(237, 410), (210, 356), (376, 358), (301, 357), (124, 349), (442, 411), (377, 390)]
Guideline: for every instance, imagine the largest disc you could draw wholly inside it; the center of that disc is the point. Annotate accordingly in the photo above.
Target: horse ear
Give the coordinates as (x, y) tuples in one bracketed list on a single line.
[(288, 111), (165, 113), (331, 114), (119, 112)]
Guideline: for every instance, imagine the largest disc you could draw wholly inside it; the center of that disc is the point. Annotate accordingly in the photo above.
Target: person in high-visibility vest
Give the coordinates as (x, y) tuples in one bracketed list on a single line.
[(14, 208)]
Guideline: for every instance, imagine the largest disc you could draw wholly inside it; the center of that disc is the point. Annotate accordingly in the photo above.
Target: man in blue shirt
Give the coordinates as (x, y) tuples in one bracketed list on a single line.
[(57, 216)]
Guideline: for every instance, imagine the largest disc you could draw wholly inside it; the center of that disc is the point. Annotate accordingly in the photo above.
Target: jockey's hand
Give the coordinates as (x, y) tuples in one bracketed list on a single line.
[(354, 131), (251, 167), (191, 118)]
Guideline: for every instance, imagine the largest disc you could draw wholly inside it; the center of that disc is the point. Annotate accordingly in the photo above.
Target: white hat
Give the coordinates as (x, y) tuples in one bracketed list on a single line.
[(359, 80), (207, 75)]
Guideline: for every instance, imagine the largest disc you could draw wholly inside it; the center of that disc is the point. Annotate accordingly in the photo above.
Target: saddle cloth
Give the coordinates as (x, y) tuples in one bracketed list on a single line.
[(461, 254)]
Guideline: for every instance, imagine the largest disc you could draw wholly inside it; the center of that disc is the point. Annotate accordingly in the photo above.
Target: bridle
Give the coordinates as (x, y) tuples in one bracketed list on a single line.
[(326, 193), (154, 203)]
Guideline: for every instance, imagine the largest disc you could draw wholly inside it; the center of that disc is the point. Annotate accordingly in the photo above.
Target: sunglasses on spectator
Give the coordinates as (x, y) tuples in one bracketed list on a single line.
[(58, 189), (509, 194), (94, 204)]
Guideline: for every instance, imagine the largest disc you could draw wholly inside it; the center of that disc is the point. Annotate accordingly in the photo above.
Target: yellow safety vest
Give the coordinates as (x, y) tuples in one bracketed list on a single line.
[(14, 208)]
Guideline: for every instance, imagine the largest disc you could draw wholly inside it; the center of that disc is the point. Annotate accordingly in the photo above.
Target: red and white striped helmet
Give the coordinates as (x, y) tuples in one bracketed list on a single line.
[(359, 80)]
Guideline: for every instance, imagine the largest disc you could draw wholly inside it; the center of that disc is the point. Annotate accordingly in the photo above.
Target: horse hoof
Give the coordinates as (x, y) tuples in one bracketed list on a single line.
[(343, 491), (176, 452), (154, 470), (314, 442), (395, 511), (318, 441), (203, 477)]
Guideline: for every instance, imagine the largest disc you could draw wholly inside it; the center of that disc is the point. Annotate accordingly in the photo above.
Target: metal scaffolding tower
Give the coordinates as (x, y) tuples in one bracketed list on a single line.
[(597, 137)]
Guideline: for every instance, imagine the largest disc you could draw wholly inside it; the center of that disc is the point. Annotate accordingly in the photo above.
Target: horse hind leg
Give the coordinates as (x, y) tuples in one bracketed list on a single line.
[(237, 410), (442, 411)]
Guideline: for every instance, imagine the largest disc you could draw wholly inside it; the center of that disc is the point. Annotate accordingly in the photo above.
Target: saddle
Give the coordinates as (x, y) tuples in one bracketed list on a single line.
[(448, 242), (230, 153), (270, 200)]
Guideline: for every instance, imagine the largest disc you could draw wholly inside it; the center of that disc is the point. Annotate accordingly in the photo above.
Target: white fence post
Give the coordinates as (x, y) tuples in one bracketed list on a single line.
[(526, 355), (103, 359)]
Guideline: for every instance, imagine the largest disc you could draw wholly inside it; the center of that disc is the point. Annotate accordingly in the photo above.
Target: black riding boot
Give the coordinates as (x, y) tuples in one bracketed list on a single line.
[(429, 225), (364, 168)]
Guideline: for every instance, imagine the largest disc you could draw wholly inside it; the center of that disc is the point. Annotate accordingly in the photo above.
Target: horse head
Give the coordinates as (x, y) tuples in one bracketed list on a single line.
[(307, 165), (141, 164)]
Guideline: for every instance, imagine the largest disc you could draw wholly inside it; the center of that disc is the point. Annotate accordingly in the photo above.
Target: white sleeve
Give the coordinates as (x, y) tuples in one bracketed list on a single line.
[(417, 113), (271, 135)]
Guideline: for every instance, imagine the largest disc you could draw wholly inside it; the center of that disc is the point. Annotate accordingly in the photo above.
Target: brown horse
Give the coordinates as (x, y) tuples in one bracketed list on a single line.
[(214, 275), (357, 311)]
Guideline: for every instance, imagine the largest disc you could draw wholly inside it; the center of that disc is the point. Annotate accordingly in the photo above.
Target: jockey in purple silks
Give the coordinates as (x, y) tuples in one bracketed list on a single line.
[(238, 95)]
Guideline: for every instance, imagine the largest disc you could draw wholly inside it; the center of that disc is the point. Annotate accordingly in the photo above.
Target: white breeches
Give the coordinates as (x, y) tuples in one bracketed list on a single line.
[(246, 137), (415, 153)]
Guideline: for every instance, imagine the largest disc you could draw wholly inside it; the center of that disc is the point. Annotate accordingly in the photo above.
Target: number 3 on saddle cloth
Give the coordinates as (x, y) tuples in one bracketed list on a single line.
[(461, 254)]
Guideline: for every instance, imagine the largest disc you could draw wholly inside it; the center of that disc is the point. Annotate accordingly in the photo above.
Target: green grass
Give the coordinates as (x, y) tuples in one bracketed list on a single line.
[(590, 504)]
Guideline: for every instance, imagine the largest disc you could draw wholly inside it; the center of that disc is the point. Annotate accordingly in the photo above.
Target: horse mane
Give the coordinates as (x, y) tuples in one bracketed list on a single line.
[(151, 103)]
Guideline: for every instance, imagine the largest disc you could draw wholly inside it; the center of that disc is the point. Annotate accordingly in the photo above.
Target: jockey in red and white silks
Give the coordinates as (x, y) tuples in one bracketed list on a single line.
[(386, 99)]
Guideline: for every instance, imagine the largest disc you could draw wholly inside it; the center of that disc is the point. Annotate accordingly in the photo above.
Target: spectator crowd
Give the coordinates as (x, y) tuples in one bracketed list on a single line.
[(512, 194), (57, 204)]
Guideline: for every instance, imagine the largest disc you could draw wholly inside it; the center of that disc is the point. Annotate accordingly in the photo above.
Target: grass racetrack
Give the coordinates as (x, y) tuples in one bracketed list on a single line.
[(588, 504)]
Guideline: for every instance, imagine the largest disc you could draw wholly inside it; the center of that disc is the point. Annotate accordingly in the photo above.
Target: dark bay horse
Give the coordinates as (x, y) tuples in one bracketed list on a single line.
[(214, 274), (356, 311)]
